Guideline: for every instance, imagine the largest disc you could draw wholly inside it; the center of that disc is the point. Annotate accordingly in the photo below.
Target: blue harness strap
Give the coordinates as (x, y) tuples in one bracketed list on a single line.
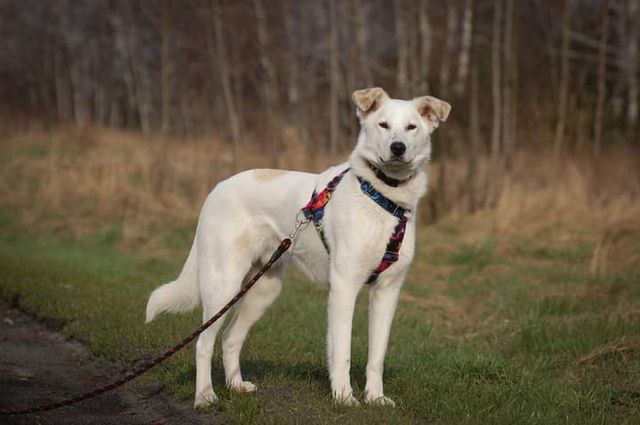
[(314, 211)]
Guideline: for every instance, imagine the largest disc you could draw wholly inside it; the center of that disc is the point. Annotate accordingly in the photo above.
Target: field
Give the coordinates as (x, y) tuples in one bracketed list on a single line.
[(526, 312)]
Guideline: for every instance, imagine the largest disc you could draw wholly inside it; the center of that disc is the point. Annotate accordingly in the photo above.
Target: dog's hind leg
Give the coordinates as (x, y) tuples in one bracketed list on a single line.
[(218, 286), (251, 309)]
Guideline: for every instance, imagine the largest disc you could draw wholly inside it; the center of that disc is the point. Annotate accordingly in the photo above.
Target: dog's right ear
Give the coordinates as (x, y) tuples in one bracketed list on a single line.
[(368, 100)]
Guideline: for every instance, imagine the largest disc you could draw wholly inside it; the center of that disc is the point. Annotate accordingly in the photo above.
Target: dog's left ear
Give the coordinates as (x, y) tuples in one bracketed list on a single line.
[(432, 109)]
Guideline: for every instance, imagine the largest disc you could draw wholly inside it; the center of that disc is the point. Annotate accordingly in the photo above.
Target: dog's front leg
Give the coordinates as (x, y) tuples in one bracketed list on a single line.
[(383, 298), (342, 298)]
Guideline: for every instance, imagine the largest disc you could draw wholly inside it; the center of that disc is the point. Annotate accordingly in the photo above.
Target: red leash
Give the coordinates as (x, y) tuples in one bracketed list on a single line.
[(282, 248)]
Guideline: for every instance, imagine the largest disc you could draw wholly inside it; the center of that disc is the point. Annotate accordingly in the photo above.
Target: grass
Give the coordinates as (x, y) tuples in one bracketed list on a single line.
[(525, 313), (539, 342)]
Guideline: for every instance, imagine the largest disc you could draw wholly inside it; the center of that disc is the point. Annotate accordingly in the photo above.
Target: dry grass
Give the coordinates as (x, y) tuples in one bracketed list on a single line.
[(72, 180), (622, 347)]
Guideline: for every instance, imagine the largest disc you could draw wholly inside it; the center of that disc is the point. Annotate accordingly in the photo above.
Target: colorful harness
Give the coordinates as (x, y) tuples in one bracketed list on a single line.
[(314, 211)]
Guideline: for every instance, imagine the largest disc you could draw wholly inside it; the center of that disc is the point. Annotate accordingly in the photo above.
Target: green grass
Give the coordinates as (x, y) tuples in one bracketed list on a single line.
[(499, 340)]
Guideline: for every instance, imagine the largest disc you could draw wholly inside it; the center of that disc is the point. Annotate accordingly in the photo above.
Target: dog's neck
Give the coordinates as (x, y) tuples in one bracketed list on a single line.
[(389, 181), (406, 194)]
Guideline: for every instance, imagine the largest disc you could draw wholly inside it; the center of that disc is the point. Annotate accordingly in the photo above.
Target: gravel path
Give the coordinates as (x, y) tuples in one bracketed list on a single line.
[(38, 366)]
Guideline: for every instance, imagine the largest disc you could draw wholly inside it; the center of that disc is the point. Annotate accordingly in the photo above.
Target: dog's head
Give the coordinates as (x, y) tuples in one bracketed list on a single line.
[(395, 134)]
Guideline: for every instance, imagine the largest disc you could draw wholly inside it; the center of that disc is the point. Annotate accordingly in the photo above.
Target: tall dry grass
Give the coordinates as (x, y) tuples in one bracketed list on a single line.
[(75, 181)]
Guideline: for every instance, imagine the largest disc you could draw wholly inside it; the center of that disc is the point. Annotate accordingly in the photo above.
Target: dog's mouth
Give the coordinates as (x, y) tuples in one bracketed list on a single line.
[(394, 162)]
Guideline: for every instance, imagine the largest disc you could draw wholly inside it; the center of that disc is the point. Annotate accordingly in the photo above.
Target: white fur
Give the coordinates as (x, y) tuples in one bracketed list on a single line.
[(245, 217)]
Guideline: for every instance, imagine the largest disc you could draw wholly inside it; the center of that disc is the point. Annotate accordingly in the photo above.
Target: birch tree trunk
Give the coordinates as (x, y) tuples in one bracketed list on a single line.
[(362, 41), (463, 60), (602, 76)]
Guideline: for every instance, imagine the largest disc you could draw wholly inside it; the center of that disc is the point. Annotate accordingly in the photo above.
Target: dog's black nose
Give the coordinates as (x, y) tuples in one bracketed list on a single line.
[(398, 148)]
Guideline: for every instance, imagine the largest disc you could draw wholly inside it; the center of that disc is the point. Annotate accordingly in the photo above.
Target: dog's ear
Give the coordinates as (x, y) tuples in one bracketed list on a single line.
[(368, 100), (432, 109)]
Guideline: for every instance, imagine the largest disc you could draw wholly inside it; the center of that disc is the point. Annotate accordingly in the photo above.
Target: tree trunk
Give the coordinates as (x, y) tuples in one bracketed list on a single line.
[(508, 136), (165, 68), (402, 49), (602, 78), (225, 81), (449, 44), (425, 45), (293, 89), (474, 137), (558, 141), (496, 80), (632, 63), (334, 73), (362, 41), (463, 61), (270, 84)]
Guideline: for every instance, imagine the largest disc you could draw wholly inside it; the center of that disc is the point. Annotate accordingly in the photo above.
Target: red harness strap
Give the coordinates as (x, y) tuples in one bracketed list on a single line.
[(314, 211)]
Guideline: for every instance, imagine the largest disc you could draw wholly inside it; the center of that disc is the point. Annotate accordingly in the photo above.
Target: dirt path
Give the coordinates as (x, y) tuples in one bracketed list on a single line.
[(38, 365)]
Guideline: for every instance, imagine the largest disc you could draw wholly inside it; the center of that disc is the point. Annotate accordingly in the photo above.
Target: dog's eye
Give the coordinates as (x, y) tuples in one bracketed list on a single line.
[(384, 125), (411, 127)]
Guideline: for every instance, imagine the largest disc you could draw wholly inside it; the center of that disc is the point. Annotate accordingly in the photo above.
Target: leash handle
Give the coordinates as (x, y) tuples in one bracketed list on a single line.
[(285, 244)]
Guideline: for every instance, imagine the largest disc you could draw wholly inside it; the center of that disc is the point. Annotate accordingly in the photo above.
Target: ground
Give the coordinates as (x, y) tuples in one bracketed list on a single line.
[(39, 366), (490, 329)]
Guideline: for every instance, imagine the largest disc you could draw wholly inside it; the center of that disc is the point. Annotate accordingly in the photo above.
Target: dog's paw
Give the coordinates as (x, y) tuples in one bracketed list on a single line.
[(242, 387), (345, 399), (204, 400), (379, 400)]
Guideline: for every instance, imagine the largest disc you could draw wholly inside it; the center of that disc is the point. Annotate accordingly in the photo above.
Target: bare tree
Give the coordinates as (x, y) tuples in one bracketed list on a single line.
[(166, 67), (602, 76), (509, 77), (334, 71), (449, 43), (463, 61), (220, 55), (293, 77), (474, 136), (402, 49), (633, 92), (425, 45), (558, 140), (362, 41), (496, 84), (270, 84)]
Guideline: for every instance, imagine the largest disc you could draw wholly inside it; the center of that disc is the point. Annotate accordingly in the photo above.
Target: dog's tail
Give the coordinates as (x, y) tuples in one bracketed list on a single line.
[(179, 296)]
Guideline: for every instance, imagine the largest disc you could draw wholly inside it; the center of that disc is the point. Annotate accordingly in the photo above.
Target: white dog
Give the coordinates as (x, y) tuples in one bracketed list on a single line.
[(245, 217)]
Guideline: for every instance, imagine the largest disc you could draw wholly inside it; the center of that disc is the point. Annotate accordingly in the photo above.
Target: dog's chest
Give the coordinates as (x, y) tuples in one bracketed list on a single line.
[(359, 232)]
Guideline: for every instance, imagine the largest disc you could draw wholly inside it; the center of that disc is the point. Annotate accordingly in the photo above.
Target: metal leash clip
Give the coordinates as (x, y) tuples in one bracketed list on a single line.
[(299, 223)]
